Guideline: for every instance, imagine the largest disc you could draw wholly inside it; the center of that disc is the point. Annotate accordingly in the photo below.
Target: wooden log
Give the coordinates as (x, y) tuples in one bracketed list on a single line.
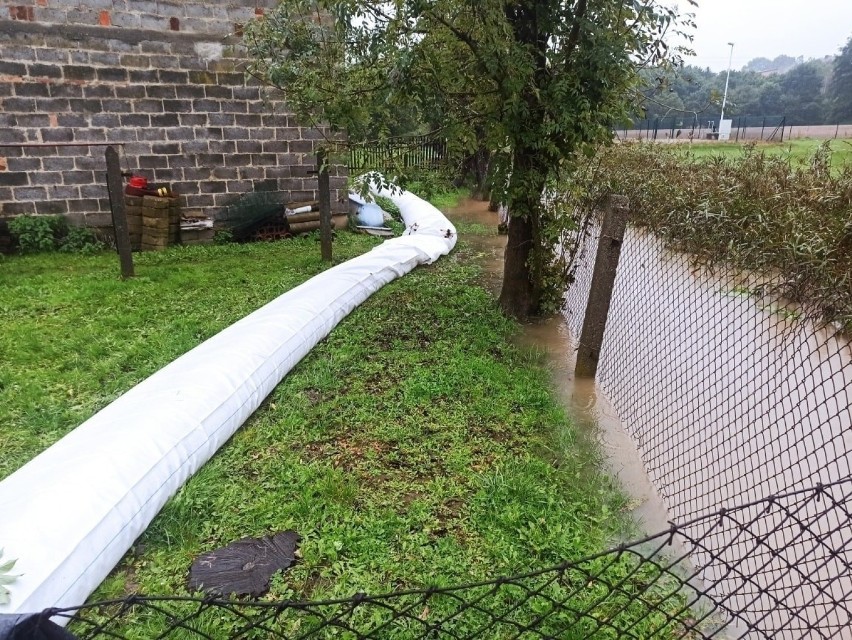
[(304, 217), (304, 227), (307, 227), (324, 190)]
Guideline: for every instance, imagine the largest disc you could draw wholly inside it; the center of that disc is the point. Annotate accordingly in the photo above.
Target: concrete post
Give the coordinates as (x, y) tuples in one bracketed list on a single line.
[(614, 222)]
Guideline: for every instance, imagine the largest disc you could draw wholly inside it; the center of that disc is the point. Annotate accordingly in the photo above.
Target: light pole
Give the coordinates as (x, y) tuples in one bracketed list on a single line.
[(727, 78)]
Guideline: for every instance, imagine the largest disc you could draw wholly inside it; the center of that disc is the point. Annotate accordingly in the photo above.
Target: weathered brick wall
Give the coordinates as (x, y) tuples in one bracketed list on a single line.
[(163, 79)]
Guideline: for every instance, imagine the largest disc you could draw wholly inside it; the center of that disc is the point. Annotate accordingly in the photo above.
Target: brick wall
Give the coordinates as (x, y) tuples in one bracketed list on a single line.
[(163, 79)]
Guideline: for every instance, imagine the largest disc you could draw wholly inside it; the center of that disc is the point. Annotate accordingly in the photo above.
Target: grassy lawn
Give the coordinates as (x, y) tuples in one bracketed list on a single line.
[(74, 337), (415, 446), (796, 150)]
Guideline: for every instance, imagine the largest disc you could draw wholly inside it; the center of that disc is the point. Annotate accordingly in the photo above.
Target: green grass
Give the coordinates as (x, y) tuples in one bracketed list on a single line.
[(75, 336), (799, 151), (447, 199), (414, 446)]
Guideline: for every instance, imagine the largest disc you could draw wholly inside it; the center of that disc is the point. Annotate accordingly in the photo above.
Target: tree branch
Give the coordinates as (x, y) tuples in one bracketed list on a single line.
[(574, 36)]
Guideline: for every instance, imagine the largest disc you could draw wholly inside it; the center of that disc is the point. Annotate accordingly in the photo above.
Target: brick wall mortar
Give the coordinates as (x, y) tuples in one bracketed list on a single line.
[(214, 17), (178, 103)]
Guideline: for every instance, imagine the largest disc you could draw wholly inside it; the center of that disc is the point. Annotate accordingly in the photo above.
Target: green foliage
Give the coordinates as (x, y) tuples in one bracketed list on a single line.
[(223, 236), (430, 185), (388, 205), (536, 80), (840, 91), (788, 223), (80, 240), (694, 94), (37, 234)]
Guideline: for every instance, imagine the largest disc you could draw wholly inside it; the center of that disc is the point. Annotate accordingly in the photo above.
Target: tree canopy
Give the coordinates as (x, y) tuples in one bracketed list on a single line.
[(804, 92), (540, 81), (840, 91)]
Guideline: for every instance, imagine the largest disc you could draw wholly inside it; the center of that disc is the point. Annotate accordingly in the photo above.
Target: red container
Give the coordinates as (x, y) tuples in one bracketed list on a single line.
[(138, 182)]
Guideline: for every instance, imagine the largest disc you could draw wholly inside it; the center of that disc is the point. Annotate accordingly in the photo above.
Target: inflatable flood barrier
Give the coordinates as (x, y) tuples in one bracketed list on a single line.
[(70, 514)]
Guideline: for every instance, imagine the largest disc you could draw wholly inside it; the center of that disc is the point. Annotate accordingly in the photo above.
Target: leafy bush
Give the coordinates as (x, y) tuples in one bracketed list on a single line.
[(790, 224), (80, 240), (388, 205), (223, 236), (37, 234)]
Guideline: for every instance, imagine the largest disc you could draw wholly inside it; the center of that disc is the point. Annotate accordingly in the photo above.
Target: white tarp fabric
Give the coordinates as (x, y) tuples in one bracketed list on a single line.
[(70, 514)]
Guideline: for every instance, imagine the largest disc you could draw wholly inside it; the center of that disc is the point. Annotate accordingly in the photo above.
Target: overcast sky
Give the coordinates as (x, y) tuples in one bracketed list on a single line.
[(767, 28)]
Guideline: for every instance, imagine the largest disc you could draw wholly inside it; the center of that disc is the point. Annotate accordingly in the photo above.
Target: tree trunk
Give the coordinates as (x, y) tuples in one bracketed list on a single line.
[(479, 168), (522, 289), (519, 297)]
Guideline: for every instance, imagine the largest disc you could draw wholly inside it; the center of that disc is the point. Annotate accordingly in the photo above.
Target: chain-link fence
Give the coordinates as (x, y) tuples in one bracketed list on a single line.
[(697, 127), (696, 580), (730, 392)]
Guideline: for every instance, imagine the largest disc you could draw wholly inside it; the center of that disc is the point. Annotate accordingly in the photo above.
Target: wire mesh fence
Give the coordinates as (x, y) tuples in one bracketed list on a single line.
[(730, 392), (413, 152), (696, 580), (697, 127)]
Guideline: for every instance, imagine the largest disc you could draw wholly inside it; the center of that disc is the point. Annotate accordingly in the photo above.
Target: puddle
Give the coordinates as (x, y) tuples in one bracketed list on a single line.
[(587, 405)]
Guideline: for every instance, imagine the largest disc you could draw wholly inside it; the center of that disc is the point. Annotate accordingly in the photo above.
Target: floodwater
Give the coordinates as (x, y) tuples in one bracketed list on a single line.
[(708, 396), (587, 405), (732, 396)]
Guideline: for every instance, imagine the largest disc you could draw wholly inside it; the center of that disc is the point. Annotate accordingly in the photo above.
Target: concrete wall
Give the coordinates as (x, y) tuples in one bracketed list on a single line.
[(162, 78)]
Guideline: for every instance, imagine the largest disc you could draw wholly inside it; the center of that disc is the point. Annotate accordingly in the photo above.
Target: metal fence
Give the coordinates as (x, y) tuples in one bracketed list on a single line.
[(695, 580), (730, 392), (768, 128), (417, 152)]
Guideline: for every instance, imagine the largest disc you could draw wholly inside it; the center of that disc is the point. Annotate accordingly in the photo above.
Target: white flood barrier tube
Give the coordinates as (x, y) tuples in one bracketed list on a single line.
[(70, 514)]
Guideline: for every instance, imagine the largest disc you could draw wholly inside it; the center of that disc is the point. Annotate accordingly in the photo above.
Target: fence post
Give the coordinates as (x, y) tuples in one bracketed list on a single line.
[(119, 217), (324, 189), (616, 211)]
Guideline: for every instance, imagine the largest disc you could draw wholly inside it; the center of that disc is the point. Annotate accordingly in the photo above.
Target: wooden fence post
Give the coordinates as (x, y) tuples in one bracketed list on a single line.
[(324, 189), (616, 211), (119, 216)]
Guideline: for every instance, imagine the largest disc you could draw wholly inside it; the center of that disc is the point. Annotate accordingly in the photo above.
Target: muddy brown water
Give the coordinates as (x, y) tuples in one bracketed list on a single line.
[(587, 405), (728, 399), (787, 382)]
